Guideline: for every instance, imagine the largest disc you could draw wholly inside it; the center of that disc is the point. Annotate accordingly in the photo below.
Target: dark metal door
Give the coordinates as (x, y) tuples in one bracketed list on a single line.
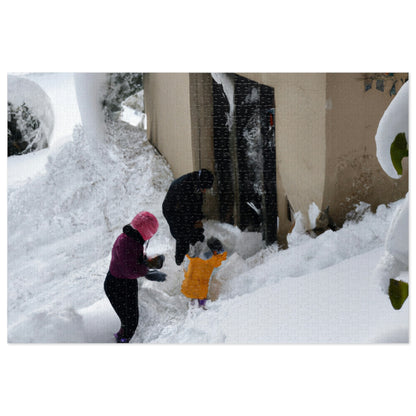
[(246, 157)]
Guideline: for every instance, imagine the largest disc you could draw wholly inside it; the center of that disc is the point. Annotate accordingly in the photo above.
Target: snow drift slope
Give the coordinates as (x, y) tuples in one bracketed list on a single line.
[(61, 225), (340, 304)]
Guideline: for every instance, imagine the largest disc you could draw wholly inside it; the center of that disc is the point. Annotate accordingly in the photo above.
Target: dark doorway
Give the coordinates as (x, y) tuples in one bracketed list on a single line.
[(245, 156)]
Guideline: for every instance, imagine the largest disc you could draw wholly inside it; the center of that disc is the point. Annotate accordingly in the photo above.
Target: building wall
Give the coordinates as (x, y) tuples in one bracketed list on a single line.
[(325, 129), (179, 111), (353, 173), (167, 107), (300, 140), (201, 105), (300, 126)]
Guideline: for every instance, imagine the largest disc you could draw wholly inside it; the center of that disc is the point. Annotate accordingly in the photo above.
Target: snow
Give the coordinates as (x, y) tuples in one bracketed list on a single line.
[(397, 239), (269, 315), (133, 117), (90, 90), (227, 83), (24, 167), (313, 213), (133, 110)]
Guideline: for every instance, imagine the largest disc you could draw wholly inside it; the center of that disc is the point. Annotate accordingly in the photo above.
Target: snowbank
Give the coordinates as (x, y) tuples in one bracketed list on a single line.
[(326, 306)]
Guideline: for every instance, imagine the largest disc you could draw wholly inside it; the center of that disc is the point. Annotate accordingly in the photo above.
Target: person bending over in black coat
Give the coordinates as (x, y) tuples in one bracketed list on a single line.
[(182, 208)]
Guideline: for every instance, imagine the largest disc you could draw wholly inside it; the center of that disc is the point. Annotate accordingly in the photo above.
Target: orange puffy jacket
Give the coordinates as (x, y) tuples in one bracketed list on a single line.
[(195, 285)]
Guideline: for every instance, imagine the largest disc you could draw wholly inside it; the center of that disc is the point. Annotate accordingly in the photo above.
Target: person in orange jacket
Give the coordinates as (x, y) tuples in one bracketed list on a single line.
[(197, 276)]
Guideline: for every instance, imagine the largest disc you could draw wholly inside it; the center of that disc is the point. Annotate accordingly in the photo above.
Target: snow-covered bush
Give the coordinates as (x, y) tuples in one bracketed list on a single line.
[(120, 87), (22, 130), (30, 116), (392, 146), (393, 133)]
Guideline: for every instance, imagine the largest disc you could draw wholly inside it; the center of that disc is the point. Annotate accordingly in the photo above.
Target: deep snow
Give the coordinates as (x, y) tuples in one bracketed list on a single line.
[(64, 217)]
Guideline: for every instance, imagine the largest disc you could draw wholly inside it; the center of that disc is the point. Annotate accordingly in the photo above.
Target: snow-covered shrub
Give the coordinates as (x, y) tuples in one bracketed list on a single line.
[(389, 137), (392, 146), (120, 87), (22, 130), (30, 118)]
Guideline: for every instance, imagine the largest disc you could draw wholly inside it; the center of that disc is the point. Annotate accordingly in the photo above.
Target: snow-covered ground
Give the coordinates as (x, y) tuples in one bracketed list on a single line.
[(66, 207)]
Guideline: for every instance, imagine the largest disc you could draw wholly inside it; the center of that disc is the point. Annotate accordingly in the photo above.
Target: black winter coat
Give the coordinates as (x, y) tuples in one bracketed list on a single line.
[(182, 206)]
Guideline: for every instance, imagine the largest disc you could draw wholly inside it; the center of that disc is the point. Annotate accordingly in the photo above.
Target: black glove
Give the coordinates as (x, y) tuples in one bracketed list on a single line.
[(155, 262), (155, 276), (197, 235)]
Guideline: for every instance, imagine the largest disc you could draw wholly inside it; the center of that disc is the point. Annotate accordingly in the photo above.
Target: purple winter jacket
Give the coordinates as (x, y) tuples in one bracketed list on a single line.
[(127, 258)]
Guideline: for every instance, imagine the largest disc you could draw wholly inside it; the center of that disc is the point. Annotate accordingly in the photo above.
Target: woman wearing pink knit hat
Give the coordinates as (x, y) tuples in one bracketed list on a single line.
[(129, 262)]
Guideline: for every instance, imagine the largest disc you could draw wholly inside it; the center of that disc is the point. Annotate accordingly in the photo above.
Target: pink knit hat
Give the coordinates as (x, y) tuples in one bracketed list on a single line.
[(146, 224)]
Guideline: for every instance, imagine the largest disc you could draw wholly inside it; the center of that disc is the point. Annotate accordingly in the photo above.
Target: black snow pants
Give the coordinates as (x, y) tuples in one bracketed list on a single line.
[(183, 243), (123, 296)]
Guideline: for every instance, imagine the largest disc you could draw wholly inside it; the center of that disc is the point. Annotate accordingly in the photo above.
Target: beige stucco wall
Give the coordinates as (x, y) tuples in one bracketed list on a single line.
[(300, 138), (353, 173), (180, 124), (300, 133), (201, 103), (167, 106)]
